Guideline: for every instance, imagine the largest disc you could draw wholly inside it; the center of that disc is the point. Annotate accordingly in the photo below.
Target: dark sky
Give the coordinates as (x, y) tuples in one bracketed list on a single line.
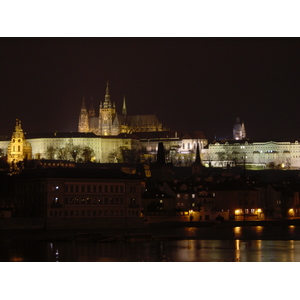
[(192, 84)]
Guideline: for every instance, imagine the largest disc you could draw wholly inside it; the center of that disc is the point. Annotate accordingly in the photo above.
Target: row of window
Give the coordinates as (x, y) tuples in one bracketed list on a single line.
[(93, 213), (79, 188), (92, 200), (245, 202)]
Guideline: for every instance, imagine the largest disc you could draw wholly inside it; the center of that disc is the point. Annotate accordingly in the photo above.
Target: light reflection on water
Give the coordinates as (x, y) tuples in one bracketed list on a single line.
[(238, 244)]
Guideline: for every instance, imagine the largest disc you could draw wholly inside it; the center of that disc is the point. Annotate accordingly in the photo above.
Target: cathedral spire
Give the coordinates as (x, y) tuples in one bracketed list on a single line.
[(83, 103), (107, 90), (83, 125), (107, 103), (124, 110), (92, 110)]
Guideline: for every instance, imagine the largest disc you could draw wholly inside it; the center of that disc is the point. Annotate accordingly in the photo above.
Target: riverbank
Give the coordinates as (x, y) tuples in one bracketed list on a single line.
[(276, 229)]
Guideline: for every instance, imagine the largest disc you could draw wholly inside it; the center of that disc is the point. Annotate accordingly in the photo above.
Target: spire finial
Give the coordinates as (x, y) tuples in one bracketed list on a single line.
[(83, 103), (107, 90), (124, 110)]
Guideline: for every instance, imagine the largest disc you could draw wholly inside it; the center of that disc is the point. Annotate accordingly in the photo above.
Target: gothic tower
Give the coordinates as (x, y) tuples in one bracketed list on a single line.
[(92, 110), (107, 114), (83, 124), (239, 131)]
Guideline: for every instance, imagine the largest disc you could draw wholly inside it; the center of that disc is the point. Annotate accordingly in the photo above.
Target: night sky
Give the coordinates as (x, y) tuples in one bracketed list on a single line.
[(192, 84)]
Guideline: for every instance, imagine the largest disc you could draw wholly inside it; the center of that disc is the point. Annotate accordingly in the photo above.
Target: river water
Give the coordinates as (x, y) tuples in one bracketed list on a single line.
[(194, 244)]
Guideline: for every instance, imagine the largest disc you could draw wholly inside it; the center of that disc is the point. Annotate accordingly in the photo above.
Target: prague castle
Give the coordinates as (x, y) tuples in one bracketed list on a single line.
[(111, 137), (106, 137)]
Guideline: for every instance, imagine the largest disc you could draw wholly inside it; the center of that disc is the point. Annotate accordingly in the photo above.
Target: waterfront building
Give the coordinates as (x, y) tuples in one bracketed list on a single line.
[(71, 197), (239, 198)]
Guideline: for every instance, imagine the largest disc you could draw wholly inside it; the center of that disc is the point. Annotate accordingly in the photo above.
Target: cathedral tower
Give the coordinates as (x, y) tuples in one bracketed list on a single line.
[(107, 114), (239, 131), (83, 124)]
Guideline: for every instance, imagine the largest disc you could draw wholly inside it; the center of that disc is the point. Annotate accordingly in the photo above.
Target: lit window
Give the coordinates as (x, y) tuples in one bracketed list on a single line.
[(193, 195)]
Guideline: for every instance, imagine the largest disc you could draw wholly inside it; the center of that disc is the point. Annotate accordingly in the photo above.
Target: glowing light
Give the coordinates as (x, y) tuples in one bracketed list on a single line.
[(237, 244), (238, 211), (259, 210), (16, 258), (291, 210)]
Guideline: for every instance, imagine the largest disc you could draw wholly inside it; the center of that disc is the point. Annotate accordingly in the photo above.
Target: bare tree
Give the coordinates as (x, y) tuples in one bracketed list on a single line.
[(87, 154), (50, 152)]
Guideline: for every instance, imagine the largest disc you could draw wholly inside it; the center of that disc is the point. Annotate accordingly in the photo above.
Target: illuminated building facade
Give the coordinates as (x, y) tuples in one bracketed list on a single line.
[(284, 155), (180, 147)]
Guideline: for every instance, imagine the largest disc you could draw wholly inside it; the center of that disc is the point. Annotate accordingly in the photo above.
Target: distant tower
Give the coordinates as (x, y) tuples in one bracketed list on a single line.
[(107, 114), (161, 170), (18, 148), (197, 165), (239, 131), (83, 125), (124, 110)]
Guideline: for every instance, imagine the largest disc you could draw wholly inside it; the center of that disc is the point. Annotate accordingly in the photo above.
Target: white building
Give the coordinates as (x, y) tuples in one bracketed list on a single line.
[(253, 154)]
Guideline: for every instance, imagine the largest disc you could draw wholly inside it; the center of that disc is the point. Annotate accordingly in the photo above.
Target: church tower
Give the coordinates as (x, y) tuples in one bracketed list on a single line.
[(107, 114), (18, 148), (83, 124)]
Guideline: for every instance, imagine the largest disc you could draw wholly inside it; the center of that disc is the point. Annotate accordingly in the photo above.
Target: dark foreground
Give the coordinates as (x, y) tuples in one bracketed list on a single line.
[(277, 243)]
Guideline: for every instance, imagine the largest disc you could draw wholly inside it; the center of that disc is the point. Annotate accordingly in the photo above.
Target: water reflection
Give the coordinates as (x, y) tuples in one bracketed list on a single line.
[(238, 244), (237, 232)]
